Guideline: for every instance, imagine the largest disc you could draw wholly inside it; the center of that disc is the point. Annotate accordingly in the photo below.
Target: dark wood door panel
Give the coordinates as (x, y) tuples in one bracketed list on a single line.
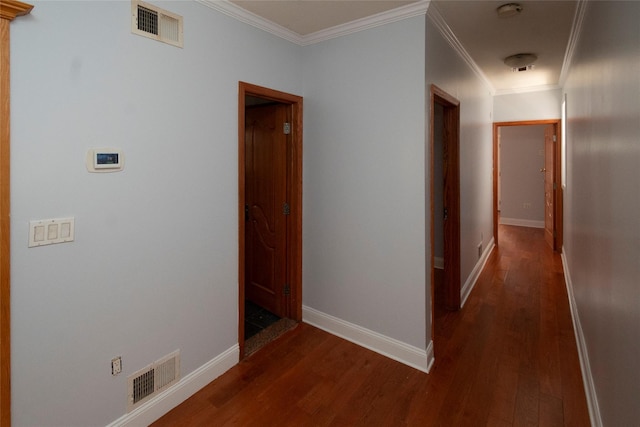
[(265, 192)]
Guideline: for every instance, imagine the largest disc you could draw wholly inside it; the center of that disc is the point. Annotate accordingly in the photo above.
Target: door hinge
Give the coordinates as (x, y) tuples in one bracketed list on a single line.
[(555, 138), (554, 185), (286, 210), (286, 129), (287, 289)]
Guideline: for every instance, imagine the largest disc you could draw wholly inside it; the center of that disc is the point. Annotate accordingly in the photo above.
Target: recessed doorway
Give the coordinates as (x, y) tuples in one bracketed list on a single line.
[(444, 185), (445, 201), (550, 168), (270, 213)]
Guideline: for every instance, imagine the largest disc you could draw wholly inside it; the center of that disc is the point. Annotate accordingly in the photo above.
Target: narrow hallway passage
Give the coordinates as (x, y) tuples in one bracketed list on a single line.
[(508, 358)]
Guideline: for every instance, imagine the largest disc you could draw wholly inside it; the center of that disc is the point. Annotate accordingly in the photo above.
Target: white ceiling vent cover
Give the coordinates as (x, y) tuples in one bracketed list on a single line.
[(155, 23), (521, 69), (150, 381)]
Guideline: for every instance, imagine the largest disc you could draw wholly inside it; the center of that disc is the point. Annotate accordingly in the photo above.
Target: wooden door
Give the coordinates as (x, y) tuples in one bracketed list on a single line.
[(451, 197), (265, 211), (451, 179), (549, 135)]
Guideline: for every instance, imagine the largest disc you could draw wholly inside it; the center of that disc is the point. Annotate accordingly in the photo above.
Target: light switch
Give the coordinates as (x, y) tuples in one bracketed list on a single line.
[(38, 233), (52, 231), (65, 229), (49, 231)]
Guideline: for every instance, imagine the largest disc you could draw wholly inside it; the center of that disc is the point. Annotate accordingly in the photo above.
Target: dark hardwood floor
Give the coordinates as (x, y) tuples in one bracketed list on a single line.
[(508, 358)]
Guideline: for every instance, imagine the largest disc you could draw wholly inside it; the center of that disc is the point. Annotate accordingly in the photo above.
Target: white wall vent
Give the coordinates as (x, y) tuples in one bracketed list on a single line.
[(153, 379), (151, 21)]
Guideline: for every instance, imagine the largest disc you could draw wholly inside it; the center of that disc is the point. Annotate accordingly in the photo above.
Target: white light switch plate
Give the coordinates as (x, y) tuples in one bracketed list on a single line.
[(49, 231)]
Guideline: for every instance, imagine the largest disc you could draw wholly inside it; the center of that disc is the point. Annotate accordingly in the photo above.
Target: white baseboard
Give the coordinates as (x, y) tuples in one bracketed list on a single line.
[(438, 263), (587, 378), (404, 353), (185, 388), (475, 274), (522, 222)]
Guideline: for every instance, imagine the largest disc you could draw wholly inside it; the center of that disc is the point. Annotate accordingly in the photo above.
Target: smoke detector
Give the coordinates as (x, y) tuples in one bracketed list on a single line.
[(508, 10)]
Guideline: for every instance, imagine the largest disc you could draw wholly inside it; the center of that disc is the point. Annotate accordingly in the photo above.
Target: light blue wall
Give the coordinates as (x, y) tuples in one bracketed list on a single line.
[(154, 264), (602, 201), (521, 158), (364, 194), (540, 105), (447, 70)]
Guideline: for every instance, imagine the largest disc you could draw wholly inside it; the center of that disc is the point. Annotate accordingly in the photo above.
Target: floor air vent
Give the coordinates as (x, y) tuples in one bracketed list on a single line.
[(155, 23), (143, 386), (153, 379)]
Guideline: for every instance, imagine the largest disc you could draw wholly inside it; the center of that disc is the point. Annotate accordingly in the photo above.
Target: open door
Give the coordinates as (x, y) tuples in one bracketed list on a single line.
[(552, 169), (269, 202), (450, 197), (266, 206), (549, 203)]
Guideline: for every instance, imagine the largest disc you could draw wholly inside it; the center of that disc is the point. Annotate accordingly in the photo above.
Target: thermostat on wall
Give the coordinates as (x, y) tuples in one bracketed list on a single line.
[(105, 160)]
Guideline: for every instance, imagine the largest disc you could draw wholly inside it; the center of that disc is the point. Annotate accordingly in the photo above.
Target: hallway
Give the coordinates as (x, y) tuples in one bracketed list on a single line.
[(508, 358)]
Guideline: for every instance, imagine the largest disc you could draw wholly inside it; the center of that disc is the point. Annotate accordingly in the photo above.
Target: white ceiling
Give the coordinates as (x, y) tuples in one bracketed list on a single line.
[(544, 27), (305, 17)]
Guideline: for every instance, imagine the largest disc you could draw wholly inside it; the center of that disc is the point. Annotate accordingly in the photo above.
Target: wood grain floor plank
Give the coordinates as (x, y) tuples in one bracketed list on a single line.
[(508, 358), (551, 410)]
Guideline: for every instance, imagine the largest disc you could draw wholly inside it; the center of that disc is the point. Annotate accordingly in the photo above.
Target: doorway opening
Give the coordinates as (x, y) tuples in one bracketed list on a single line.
[(550, 168), (270, 214), (444, 187)]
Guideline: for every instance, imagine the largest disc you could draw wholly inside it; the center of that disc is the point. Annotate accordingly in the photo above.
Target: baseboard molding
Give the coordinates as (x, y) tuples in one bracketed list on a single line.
[(522, 222), (438, 263), (473, 277), (185, 388), (404, 353), (587, 378)]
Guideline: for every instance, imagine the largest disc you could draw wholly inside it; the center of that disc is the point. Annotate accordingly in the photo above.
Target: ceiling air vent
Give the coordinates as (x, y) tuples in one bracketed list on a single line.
[(147, 382), (521, 69), (155, 23)]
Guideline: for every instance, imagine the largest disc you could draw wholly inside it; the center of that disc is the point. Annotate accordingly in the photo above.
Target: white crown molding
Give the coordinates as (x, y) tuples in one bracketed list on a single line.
[(442, 26), (576, 30), (242, 15), (382, 18)]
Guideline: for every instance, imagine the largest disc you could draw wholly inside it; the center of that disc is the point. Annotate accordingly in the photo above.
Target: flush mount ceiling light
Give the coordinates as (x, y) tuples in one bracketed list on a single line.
[(508, 10), (520, 60)]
